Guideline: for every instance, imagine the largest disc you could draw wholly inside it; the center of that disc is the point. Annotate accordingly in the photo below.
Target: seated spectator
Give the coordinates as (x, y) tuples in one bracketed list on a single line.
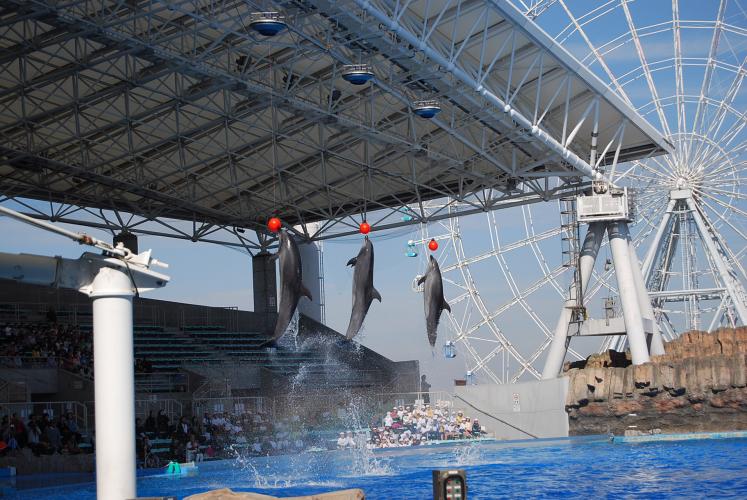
[(150, 422), (342, 441), (193, 450), (54, 437)]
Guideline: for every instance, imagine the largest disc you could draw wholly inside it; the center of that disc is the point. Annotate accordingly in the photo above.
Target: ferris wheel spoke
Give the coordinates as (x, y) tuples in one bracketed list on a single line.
[(646, 69), (723, 108), (725, 205), (734, 259), (705, 86), (726, 193), (538, 255), (678, 68), (724, 219), (597, 54), (656, 180)]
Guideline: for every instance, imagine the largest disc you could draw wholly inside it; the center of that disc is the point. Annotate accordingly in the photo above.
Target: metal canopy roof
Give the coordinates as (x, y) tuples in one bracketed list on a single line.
[(179, 110)]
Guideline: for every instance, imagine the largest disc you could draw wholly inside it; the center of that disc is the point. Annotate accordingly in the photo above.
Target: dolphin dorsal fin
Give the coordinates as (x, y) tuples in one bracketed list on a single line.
[(352, 262), (376, 295), (421, 280), (445, 305), (305, 291)]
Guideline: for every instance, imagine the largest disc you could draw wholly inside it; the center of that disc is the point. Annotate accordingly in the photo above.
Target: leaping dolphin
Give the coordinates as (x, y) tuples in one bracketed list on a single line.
[(433, 298), (291, 286), (363, 287)]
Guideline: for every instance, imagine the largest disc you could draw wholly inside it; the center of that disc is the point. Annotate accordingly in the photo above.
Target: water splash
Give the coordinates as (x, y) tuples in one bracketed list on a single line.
[(264, 477), (470, 454)]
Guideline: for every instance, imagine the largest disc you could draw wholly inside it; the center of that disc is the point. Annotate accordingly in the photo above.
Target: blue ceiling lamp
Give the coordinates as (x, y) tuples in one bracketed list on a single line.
[(267, 23), (357, 74), (426, 108)]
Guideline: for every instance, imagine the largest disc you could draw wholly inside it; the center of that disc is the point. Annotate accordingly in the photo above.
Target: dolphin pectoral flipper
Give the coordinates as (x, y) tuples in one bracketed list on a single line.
[(446, 306), (376, 295), (421, 280), (305, 292), (352, 262)]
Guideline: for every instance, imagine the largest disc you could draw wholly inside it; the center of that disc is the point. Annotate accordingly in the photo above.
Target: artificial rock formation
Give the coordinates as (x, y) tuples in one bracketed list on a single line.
[(699, 385)]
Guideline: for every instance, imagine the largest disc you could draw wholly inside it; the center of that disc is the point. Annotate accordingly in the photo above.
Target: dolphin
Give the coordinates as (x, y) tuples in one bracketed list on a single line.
[(433, 299), (363, 288), (291, 286)]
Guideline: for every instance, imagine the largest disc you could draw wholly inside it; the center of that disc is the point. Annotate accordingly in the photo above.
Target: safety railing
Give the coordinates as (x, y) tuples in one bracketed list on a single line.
[(53, 409), (233, 405), (161, 382), (170, 407)]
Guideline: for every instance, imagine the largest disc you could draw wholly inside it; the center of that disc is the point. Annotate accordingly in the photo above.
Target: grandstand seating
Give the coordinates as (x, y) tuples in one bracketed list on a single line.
[(170, 350)]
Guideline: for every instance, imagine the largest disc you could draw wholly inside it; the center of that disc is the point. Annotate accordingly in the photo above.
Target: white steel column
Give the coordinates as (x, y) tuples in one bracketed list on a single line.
[(656, 347), (648, 260), (114, 377), (559, 346), (618, 236), (718, 259)]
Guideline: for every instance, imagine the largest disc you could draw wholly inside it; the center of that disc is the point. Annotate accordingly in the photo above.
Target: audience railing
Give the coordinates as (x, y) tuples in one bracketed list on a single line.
[(53, 409), (161, 382), (233, 405)]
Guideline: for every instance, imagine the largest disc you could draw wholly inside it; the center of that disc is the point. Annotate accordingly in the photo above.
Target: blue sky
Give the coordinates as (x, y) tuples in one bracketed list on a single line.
[(214, 275)]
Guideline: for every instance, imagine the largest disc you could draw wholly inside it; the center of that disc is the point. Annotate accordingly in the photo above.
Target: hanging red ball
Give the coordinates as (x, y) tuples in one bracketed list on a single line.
[(365, 227), (432, 245), (274, 224)]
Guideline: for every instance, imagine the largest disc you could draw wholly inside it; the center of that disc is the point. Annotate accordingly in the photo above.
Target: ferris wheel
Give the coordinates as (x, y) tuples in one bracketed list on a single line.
[(681, 65)]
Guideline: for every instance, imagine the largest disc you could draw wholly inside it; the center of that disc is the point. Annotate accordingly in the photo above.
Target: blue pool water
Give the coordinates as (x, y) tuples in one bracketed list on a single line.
[(584, 467)]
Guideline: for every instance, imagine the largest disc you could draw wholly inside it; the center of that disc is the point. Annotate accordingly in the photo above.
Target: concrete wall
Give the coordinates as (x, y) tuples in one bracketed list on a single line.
[(38, 380), (536, 407)]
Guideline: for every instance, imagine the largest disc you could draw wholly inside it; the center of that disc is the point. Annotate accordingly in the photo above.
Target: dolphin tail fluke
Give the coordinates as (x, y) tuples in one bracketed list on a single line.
[(306, 293), (352, 262), (376, 295), (351, 332), (446, 306), (421, 280)]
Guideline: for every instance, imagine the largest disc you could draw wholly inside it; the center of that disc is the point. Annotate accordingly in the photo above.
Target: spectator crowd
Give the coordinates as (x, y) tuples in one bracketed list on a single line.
[(54, 345), (40, 434), (414, 425), (216, 435)]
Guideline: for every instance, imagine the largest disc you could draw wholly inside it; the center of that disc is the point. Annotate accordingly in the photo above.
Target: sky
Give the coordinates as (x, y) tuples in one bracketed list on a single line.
[(214, 275)]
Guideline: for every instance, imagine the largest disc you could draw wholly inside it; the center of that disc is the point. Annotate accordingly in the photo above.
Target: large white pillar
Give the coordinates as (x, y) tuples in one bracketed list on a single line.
[(114, 379), (656, 347), (721, 266), (559, 345), (648, 260), (618, 236)]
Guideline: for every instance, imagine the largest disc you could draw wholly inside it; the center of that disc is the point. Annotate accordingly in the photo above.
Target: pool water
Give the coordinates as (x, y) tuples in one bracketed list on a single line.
[(580, 467)]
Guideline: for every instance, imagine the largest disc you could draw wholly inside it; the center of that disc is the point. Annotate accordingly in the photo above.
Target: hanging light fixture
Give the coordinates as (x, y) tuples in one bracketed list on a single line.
[(267, 23), (426, 108), (357, 74)]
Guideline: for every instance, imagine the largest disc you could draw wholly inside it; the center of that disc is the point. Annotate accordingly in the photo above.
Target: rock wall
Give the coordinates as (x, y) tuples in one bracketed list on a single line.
[(699, 385)]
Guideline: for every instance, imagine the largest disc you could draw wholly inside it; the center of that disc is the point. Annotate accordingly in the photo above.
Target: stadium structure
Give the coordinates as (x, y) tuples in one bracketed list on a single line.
[(200, 120)]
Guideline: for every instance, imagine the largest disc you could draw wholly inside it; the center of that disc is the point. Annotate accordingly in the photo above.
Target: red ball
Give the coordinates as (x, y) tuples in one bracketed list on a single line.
[(274, 224), (432, 245), (365, 227)]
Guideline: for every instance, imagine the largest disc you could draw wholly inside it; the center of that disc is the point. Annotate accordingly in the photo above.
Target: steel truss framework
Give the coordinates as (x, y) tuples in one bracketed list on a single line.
[(682, 65), (177, 111)]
